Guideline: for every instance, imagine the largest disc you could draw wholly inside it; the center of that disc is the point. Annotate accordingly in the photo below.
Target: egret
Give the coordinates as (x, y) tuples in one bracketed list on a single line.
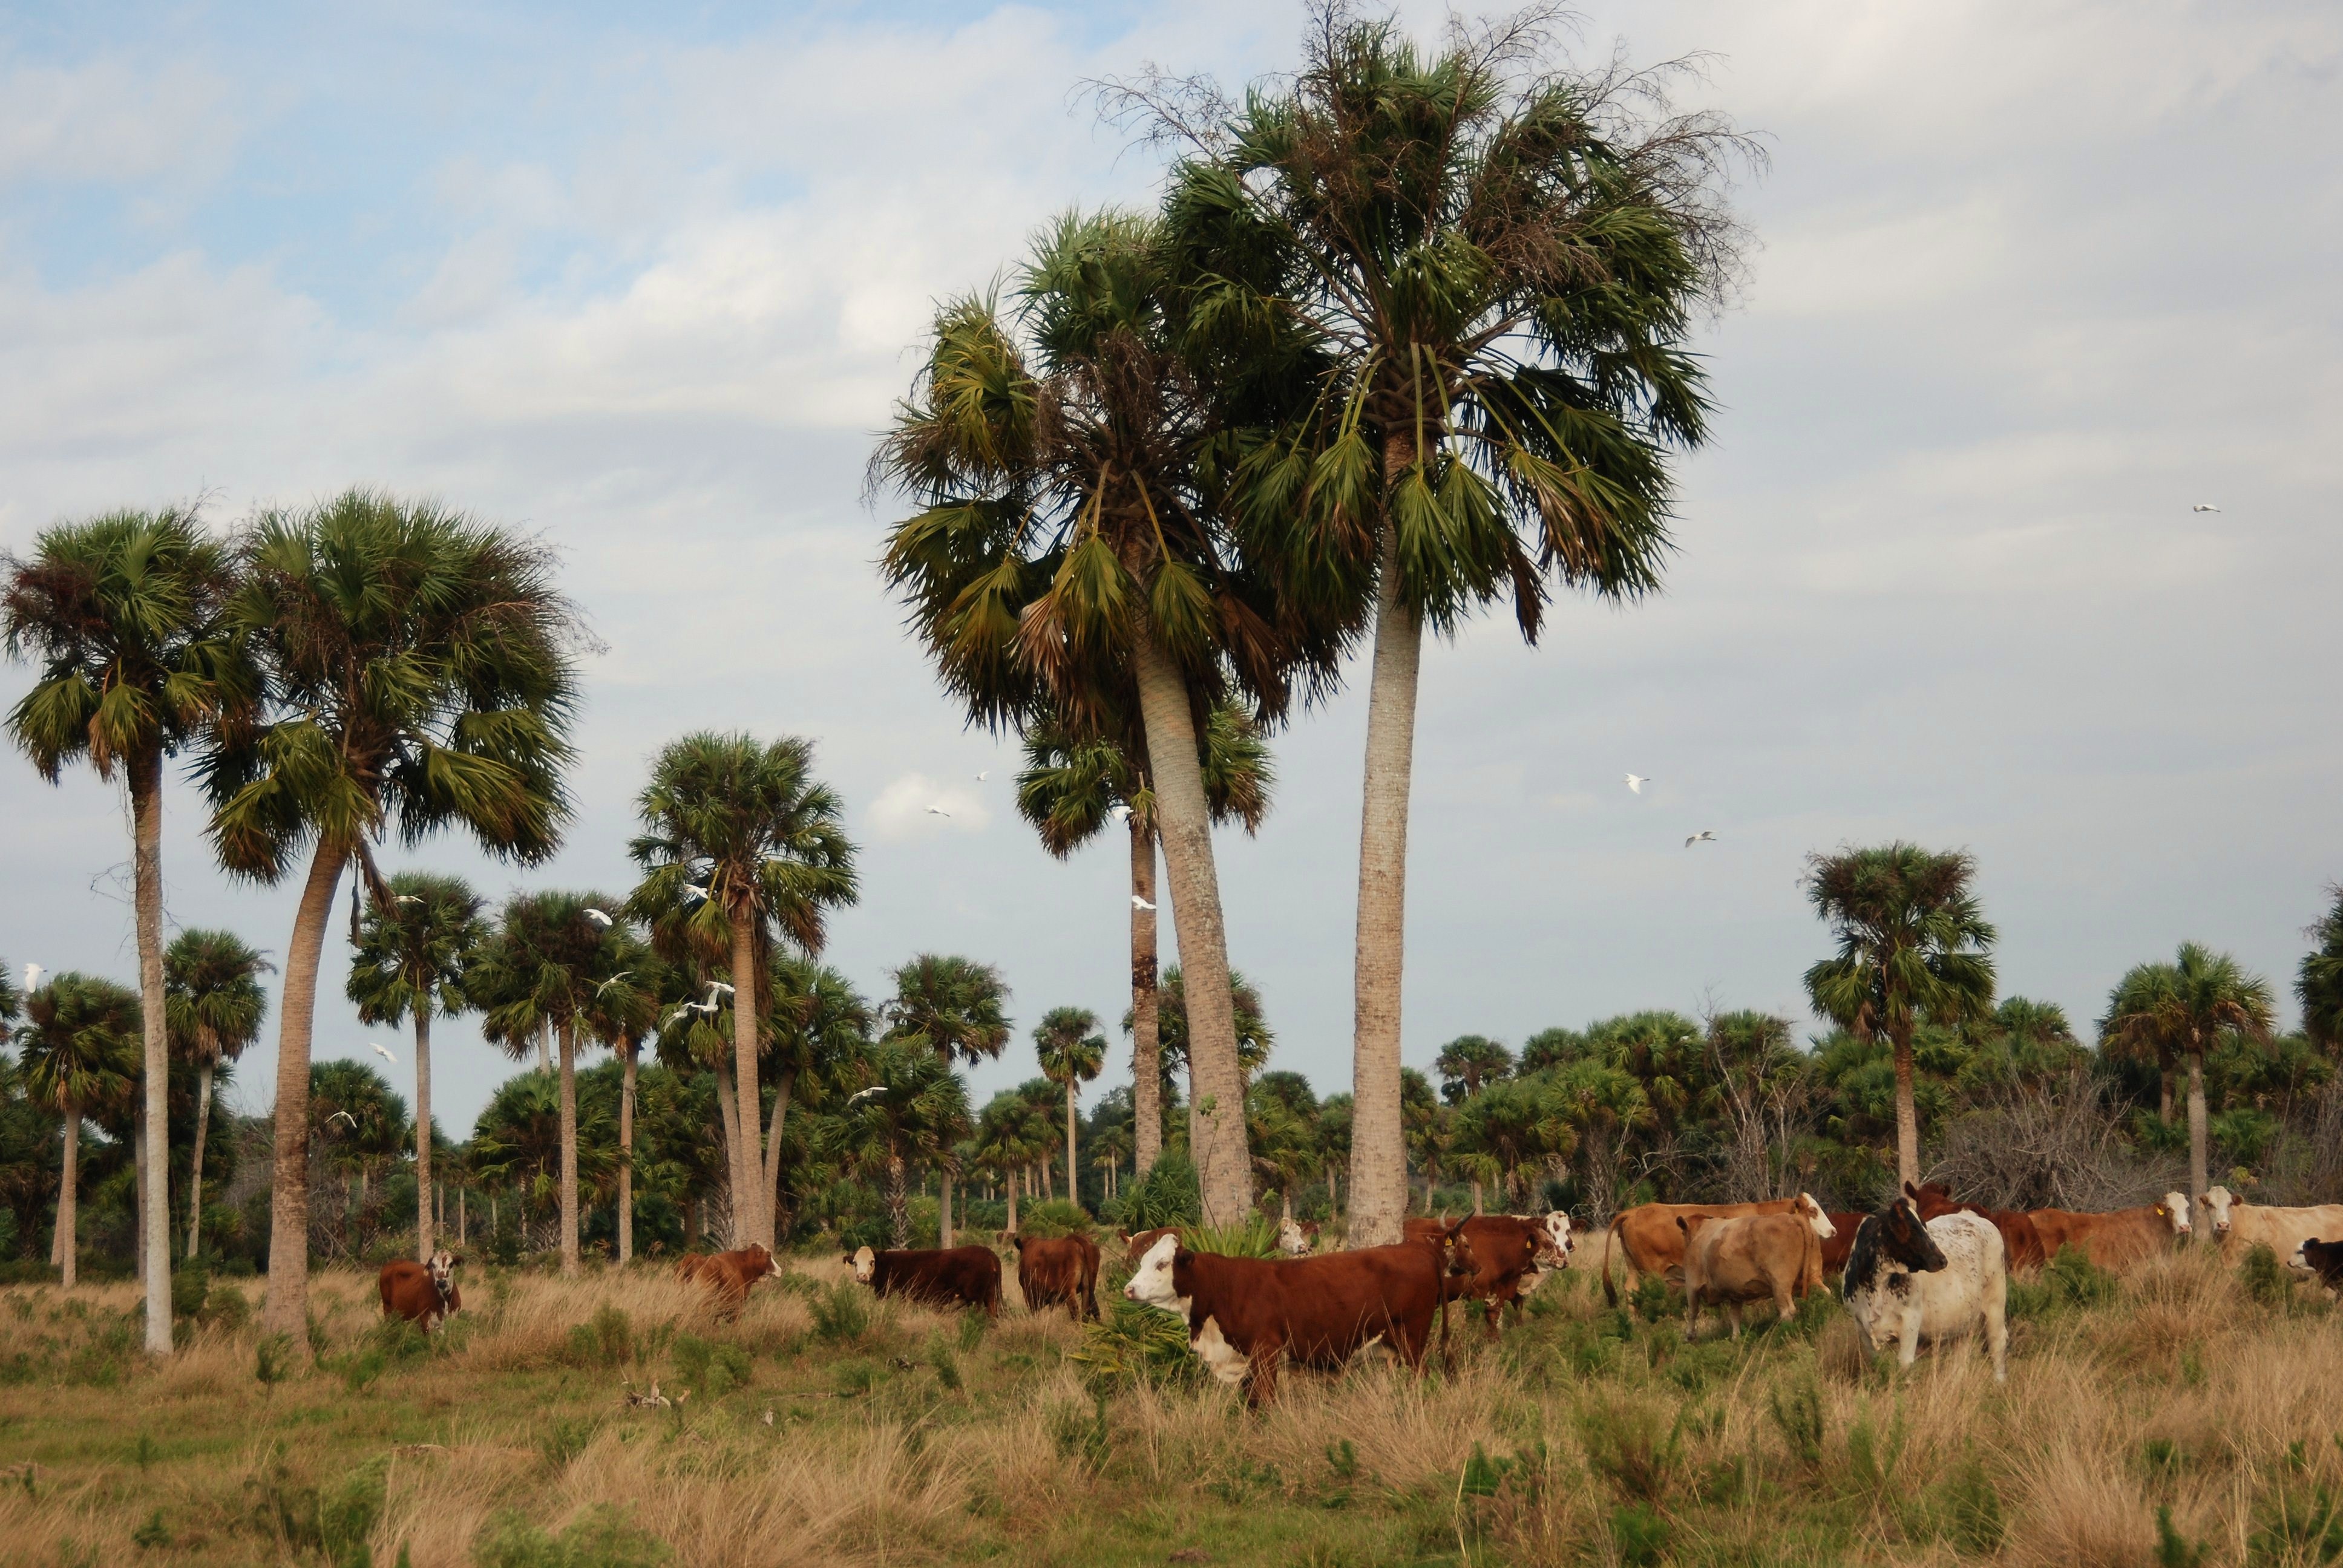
[(1138, 903), (861, 1095), (33, 973), (937, 811), (598, 917), (1636, 782), (2203, 507), (1703, 836), (383, 1051)]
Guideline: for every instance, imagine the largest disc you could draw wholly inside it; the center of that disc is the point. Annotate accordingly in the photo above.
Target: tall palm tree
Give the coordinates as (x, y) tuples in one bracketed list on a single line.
[(1591, 1106), (539, 970), (1069, 789), (413, 952), (1070, 563), (1913, 945), (1008, 1138), (920, 1108), (79, 1049), (123, 614), (1499, 260), (1468, 1062), (359, 1122), (1071, 1050), (2188, 1005), (215, 1005), (2318, 983), (424, 677), (818, 1029), (958, 1008), (622, 1010), (1282, 1117), (748, 849)]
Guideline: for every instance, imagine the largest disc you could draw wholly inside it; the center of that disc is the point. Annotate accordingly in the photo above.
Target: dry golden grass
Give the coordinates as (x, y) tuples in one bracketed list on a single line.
[(822, 1427)]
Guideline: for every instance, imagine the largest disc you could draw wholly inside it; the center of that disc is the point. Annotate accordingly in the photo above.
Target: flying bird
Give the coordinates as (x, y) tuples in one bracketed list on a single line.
[(342, 1116), (614, 979), (407, 898), (1138, 903), (33, 973), (981, 777), (861, 1095), (598, 917), (1636, 782), (2203, 507), (383, 1051), (695, 893), (715, 988), (1703, 836), (937, 811)]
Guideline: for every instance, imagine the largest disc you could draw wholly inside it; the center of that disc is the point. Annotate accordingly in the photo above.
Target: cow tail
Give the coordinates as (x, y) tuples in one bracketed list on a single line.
[(1447, 1356), (1612, 1246)]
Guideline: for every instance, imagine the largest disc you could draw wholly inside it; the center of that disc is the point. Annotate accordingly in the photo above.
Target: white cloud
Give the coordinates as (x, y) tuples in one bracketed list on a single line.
[(110, 121), (906, 808)]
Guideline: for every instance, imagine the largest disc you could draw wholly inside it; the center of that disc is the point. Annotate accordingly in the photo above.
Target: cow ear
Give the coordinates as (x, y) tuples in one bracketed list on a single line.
[(1911, 1191), (847, 1258)]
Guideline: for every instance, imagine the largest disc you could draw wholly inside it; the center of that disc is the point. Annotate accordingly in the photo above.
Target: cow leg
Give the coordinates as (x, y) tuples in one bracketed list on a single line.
[(1732, 1317), (1908, 1334), (1261, 1381), (1489, 1310), (1782, 1303), (1692, 1314), (1996, 1338)]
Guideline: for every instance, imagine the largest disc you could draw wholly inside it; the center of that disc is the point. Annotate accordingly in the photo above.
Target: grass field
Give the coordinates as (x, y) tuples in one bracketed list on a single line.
[(823, 1427)]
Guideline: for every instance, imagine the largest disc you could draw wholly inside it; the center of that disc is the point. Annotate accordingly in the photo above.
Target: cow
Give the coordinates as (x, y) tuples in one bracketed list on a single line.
[(2020, 1242), (1910, 1281), (1839, 1242), (730, 1275), (2324, 1258), (1297, 1238), (1135, 1245), (2117, 1240), (423, 1294), (1647, 1239), (1554, 1250), (2239, 1227), (1489, 1258), (1060, 1269), (948, 1277), (1246, 1315), (1747, 1258)]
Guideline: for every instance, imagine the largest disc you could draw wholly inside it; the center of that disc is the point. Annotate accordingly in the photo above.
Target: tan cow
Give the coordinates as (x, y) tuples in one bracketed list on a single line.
[(1647, 1239), (2117, 1240), (2239, 1226), (1747, 1258)]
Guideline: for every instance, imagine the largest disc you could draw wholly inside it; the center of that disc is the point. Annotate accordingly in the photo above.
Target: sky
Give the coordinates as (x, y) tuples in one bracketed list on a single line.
[(2029, 282)]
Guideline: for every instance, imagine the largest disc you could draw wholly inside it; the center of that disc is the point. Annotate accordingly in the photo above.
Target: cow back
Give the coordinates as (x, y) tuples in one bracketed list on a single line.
[(1318, 1310)]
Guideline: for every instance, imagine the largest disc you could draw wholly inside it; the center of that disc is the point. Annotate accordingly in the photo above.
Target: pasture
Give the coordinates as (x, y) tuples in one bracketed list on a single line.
[(2183, 1415)]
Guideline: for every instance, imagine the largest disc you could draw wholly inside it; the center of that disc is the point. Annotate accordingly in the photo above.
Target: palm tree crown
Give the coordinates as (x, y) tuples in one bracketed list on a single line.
[(2319, 984), (213, 1004)]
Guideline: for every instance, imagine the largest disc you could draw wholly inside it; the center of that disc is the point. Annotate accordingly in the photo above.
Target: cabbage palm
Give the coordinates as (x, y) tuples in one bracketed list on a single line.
[(1594, 1106), (1009, 1137), (956, 1007), (215, 1004), (1913, 945), (1070, 788), (816, 1029), (423, 676), (621, 1011), (79, 1048), (414, 949), (1498, 260), (1256, 1039), (1071, 1050), (124, 615), (763, 841), (2188, 1006), (1070, 563), (360, 1121), (1500, 1132), (2319, 984), (1468, 1062), (920, 1108)]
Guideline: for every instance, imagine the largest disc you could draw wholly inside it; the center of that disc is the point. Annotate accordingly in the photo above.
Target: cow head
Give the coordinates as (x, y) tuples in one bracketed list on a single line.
[(1457, 1258), (1805, 1208), (441, 1266), (2215, 1204), (1018, 1244), (1930, 1199), (1152, 1280), (2174, 1211), (864, 1263), (1904, 1238), (1556, 1242), (1292, 1238)]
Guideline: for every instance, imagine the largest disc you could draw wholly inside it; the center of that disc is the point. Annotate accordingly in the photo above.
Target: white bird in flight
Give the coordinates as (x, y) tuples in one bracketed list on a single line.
[(33, 973), (614, 979), (981, 777), (861, 1095), (695, 893), (1138, 903), (715, 987), (2203, 507), (598, 917), (1703, 836), (937, 811), (1636, 782), (383, 1051), (1119, 813), (342, 1116), (407, 898)]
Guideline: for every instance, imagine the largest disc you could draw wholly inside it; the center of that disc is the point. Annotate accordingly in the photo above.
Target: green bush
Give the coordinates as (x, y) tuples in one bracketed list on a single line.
[(1632, 1445), (1798, 1412), (191, 1287), (605, 1340), (710, 1368), (226, 1308), (1135, 1343), (1053, 1217), (2073, 1280), (1167, 1195), (1256, 1237), (842, 1314), (2265, 1279), (602, 1539), (346, 1516), (1972, 1505)]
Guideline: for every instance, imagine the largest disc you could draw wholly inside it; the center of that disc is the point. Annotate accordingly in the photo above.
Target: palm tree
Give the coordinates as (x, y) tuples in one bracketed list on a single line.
[(1498, 260), (1913, 945), (1006, 1139), (2188, 1006), (78, 1050), (1500, 1132), (623, 1008), (1070, 563), (1069, 789), (957, 1007), (1468, 1062), (124, 615), (748, 847), (1592, 1105), (539, 970), (358, 1120), (424, 677), (1424, 1121), (215, 1005), (920, 1108), (1071, 1050), (817, 1030), (519, 1141), (413, 952), (1282, 1116), (1255, 1039), (2319, 984)]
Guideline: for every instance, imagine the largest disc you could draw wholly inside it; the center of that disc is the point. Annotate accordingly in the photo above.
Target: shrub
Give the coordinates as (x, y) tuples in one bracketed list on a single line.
[(1053, 1217), (1254, 1237), (602, 1539), (226, 1309), (842, 1314), (191, 1285), (2073, 1280), (1798, 1412), (1167, 1195), (1135, 1343), (346, 1516), (708, 1366), (1640, 1533), (605, 1340), (2265, 1279), (272, 1357), (1632, 1446), (1973, 1517)]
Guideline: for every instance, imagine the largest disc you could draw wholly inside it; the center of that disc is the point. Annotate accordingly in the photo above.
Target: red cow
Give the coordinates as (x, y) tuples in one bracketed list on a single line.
[(949, 1277), (731, 1275), (1487, 1261), (2020, 1242), (1058, 1269), (1136, 1245), (1840, 1243), (422, 1294)]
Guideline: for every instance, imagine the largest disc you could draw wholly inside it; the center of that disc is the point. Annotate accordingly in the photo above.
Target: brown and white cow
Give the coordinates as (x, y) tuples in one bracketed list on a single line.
[(424, 1293), (1058, 1269), (1747, 1258), (1297, 1238), (1135, 1243), (1488, 1258), (1839, 1242), (2239, 1226), (2116, 1239), (941, 1276), (731, 1276), (1246, 1315), (2021, 1243), (1646, 1239)]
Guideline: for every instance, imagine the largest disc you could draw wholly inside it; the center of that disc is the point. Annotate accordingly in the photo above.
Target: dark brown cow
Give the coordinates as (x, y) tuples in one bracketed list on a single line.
[(941, 1277), (730, 1275), (2117, 1240), (1050, 1269), (1245, 1314), (2021, 1244), (422, 1294), (1487, 1258), (1840, 1243)]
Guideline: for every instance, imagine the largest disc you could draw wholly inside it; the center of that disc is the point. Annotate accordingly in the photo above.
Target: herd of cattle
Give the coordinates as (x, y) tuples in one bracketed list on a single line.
[(1926, 1270)]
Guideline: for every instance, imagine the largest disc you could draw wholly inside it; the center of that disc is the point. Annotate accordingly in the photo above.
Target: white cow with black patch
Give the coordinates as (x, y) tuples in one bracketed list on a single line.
[(1913, 1283)]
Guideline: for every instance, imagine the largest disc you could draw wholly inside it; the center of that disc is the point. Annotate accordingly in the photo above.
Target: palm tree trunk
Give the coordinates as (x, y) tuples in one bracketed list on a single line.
[(1907, 1114), (730, 1113), (754, 1222), (1146, 1049), (569, 1146), (943, 1207), (2164, 1095), (899, 1211), (626, 1051), (1073, 1189), (426, 1236), (1378, 1144), (285, 1309), (1010, 1183), (2197, 1136), (783, 1083), (545, 1045), (461, 1193), (68, 1242), (1476, 1194), (1216, 1130), (146, 779), (195, 1166)]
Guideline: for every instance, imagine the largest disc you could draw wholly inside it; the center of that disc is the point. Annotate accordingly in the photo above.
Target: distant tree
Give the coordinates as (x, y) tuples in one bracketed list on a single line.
[(357, 1124), (1914, 945), (2319, 984), (1255, 1039), (1425, 1122), (1468, 1062), (1073, 1051), (1760, 1090), (958, 1008), (1282, 1131), (920, 1108), (1009, 1136), (818, 1030), (1594, 1106), (215, 1004), (79, 1049), (620, 1013), (1500, 1133), (1550, 1048)]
